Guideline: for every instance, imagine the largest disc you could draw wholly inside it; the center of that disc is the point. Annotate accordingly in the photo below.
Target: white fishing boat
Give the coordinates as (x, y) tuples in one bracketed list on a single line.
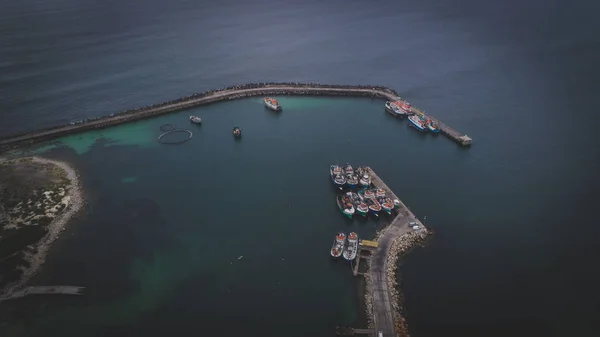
[(348, 169), (337, 176), (366, 194), (272, 104), (393, 107), (338, 245), (352, 247), (417, 123), (195, 119), (364, 178), (431, 126), (387, 204), (351, 180), (345, 205), (380, 193)]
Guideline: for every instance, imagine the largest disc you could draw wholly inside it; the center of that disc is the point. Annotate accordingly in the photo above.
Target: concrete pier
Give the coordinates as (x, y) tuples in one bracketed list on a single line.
[(212, 96), (384, 315), (43, 290)]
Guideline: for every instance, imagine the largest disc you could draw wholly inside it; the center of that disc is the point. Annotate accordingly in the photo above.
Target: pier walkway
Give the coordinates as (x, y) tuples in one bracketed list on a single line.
[(383, 312), (43, 290), (216, 96)]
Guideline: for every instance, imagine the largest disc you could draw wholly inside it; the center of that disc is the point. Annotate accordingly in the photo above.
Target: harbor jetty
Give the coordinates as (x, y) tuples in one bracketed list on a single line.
[(213, 96), (43, 290), (383, 301)]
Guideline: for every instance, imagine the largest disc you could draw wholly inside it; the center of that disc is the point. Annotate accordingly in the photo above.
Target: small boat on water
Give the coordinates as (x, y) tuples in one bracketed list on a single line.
[(387, 204), (417, 123), (237, 132), (272, 104), (337, 176), (338, 245), (195, 119), (380, 193), (351, 181), (431, 126), (345, 205), (374, 206), (348, 169), (352, 247)]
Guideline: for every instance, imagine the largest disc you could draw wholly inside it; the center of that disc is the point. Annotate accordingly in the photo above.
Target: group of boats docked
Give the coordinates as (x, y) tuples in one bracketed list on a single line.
[(345, 246), (346, 176), (364, 202), (402, 108), (423, 124)]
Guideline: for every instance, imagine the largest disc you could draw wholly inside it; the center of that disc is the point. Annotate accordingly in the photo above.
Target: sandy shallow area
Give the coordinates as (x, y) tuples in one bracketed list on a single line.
[(74, 203)]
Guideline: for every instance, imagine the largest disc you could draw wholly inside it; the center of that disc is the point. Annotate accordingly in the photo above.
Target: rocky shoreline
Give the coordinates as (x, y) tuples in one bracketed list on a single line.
[(51, 211), (400, 246)]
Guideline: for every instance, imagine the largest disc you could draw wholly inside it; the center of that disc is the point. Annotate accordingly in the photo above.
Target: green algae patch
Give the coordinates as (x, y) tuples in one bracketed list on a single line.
[(128, 180), (137, 134)]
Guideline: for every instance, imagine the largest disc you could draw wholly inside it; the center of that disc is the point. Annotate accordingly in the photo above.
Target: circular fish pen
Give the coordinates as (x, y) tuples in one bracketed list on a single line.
[(161, 139)]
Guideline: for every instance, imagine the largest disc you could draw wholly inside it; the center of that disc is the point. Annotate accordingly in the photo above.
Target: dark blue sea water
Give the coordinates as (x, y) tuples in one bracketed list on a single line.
[(516, 242)]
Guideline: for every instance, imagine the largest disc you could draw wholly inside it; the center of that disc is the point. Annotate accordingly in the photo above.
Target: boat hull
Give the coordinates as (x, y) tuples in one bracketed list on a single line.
[(374, 212), (273, 107)]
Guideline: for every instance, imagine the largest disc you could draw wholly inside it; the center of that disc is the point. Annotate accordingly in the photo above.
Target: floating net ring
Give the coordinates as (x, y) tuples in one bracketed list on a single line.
[(162, 141), (167, 127)]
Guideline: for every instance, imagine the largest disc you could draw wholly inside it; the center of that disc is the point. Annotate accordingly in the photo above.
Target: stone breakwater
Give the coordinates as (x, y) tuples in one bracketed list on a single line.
[(207, 97), (400, 246), (35, 258)]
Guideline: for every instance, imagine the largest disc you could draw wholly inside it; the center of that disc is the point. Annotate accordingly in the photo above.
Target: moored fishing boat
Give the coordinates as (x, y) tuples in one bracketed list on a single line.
[(195, 119), (357, 203), (431, 126), (361, 207), (345, 205), (379, 193), (337, 176), (365, 179), (405, 107), (338, 245), (417, 123), (366, 194), (272, 104), (352, 247), (386, 204), (374, 206), (351, 181), (348, 169), (393, 108)]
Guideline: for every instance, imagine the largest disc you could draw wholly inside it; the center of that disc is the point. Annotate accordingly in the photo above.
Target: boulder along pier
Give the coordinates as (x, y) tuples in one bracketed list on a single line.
[(213, 96)]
